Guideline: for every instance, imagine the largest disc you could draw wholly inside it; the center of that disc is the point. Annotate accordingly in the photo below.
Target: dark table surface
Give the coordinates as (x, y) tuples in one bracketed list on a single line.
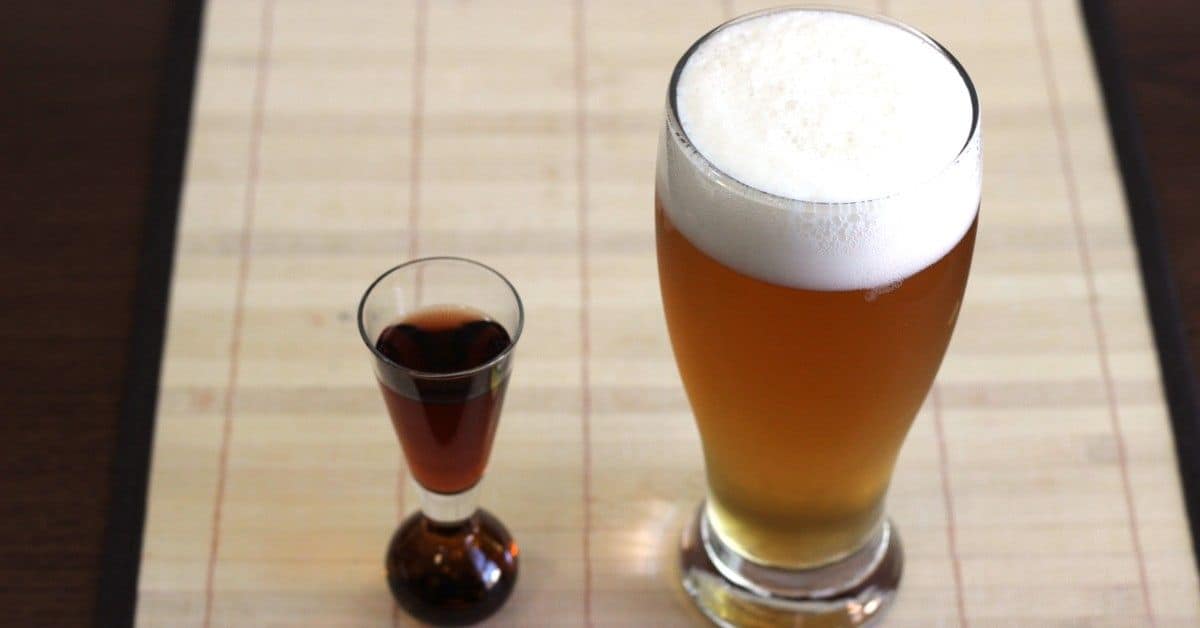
[(94, 110)]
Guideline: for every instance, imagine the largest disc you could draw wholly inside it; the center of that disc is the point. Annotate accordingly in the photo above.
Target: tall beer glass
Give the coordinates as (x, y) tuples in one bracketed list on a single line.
[(817, 190)]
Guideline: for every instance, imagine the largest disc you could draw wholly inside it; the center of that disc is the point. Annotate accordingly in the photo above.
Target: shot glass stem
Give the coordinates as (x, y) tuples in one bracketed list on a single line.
[(448, 508)]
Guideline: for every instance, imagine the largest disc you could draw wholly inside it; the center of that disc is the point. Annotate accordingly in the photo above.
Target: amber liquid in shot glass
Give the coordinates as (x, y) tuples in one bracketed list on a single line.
[(447, 572), (446, 427)]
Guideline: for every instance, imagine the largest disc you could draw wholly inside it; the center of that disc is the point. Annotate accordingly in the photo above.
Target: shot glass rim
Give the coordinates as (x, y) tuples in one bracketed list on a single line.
[(730, 181), (419, 374)]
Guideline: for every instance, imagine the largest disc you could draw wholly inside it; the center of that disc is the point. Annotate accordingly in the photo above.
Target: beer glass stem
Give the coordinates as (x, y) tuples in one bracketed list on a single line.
[(448, 508)]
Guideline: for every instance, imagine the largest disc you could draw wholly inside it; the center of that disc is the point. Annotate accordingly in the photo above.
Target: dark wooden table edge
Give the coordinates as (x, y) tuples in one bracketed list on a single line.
[(1162, 299), (117, 591), (121, 558)]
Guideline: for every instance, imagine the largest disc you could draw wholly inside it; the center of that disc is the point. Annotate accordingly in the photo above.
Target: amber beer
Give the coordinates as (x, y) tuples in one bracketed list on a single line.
[(802, 397), (817, 193)]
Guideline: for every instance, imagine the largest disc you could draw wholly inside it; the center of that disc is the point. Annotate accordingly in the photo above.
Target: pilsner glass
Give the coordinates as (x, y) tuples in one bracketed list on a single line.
[(807, 332)]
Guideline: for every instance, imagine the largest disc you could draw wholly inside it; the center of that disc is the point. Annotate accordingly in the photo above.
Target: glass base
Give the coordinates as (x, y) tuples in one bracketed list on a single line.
[(452, 574), (733, 591)]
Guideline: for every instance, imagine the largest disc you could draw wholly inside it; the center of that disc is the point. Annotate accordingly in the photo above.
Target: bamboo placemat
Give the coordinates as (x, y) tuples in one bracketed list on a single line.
[(332, 140)]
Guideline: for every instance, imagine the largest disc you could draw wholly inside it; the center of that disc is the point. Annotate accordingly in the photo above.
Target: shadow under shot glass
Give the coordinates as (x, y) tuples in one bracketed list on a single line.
[(441, 332), (817, 192)]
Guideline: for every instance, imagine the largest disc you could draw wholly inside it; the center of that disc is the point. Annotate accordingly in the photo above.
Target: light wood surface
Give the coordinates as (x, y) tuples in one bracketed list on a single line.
[(332, 140)]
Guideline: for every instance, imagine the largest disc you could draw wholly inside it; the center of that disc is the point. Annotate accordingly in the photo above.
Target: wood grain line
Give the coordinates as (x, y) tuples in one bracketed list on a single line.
[(415, 146), (254, 155), (416, 140), (1085, 261), (585, 409), (935, 399)]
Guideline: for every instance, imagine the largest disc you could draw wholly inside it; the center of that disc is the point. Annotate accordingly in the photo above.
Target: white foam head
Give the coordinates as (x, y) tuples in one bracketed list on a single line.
[(820, 149)]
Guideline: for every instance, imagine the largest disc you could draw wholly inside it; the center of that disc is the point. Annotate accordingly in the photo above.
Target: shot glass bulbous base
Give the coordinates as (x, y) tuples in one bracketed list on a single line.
[(451, 570), (733, 591)]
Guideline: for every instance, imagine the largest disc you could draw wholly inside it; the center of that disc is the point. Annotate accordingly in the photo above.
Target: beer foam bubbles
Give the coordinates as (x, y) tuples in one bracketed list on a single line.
[(852, 137)]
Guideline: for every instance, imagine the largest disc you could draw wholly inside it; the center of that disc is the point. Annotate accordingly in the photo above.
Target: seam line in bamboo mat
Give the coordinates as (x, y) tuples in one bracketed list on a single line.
[(416, 141), (416, 146), (581, 183), (1085, 260), (935, 398), (262, 66)]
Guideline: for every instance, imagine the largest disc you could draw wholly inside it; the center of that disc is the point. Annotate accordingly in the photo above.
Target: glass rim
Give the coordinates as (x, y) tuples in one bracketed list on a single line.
[(419, 374), (730, 181)]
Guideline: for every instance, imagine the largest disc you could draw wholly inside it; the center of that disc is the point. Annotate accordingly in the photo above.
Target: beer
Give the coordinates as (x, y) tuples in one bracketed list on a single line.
[(816, 202), (445, 424), (802, 397)]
